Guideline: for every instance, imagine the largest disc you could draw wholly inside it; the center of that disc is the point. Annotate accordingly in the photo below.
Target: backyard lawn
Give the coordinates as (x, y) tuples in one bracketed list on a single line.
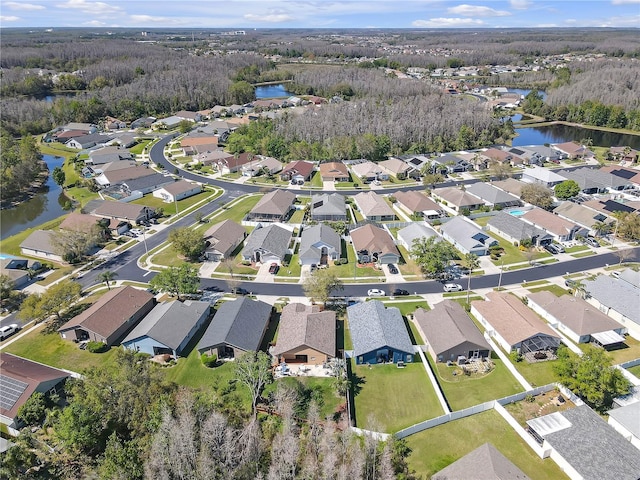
[(513, 254), (625, 354), (437, 447), (463, 391), (537, 374), (392, 398), (635, 370), (11, 245)]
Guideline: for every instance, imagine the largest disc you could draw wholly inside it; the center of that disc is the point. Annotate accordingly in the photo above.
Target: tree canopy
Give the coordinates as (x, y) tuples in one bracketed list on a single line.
[(537, 195), (55, 300), (432, 255), (177, 281), (567, 189), (320, 284), (188, 242)]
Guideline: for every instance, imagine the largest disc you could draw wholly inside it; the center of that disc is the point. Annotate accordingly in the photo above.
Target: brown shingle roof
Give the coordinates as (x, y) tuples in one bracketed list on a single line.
[(130, 211), (456, 197), (117, 176), (225, 234), (333, 170), (372, 205), (550, 222), (277, 202), (302, 325), (179, 187), (79, 222), (373, 239), (299, 167), (416, 201)]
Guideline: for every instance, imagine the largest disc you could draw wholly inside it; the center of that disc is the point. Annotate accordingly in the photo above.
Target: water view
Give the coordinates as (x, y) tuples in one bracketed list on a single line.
[(524, 92), (566, 133), (272, 91), (44, 206)]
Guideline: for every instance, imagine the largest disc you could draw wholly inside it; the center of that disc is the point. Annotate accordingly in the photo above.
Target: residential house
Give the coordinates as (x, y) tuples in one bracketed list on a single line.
[(456, 199), (109, 154), (485, 462), (373, 207), (188, 115), (583, 216), (19, 270), (334, 172), (41, 244), (299, 171), (503, 157), (87, 141), (378, 334), (222, 240), (146, 184), (111, 317), (624, 154), (319, 244), (448, 163), (414, 231), (492, 196), (574, 150), (167, 123), (466, 236), (374, 244), (233, 163), (143, 122), (306, 335), (516, 231), (419, 162), (577, 319), (19, 379), (630, 174), (593, 180), (541, 176), (238, 326), (128, 212), (261, 165), (539, 154), (63, 136), (267, 244), (609, 206), (168, 328), (176, 191), (513, 325), (450, 334), (84, 127), (196, 143), (399, 169), (328, 207), (584, 446), (368, 171), (275, 206), (417, 203), (510, 185), (213, 157), (617, 298), (115, 176), (560, 229), (111, 123), (79, 222), (624, 420)]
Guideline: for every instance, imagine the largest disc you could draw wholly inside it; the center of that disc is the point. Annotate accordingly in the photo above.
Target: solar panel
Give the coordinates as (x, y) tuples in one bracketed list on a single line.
[(613, 206), (626, 174), (10, 391), (516, 151)]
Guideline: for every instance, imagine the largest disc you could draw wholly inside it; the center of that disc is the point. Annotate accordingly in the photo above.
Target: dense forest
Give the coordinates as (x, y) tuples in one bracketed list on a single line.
[(20, 165)]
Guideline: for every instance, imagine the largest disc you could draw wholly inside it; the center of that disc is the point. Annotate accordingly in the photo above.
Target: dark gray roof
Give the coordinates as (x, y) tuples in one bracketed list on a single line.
[(447, 326), (516, 228), (617, 294), (239, 323), (484, 463), (169, 323), (593, 448), (491, 194), (592, 178), (155, 180), (93, 139), (373, 326), (314, 237), (271, 238)]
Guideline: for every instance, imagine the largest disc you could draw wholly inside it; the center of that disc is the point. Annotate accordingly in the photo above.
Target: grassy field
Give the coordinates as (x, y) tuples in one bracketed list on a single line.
[(555, 289), (393, 398), (236, 211), (462, 391), (635, 370), (170, 208), (537, 374), (438, 447)]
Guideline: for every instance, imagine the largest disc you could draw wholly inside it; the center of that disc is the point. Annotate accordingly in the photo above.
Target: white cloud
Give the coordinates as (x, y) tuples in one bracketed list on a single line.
[(624, 2), (477, 11), (92, 8), (447, 22), (4, 18), (95, 23), (269, 18), (147, 19), (22, 6), (520, 4)]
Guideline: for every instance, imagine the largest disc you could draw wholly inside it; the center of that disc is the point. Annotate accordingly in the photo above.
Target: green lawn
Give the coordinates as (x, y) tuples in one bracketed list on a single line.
[(170, 208), (555, 289), (11, 245), (625, 354), (236, 211), (635, 370), (462, 391), (239, 268), (297, 217), (140, 146), (537, 374), (393, 398), (294, 268), (169, 258), (349, 271), (437, 447), (51, 349), (316, 180), (513, 254), (576, 248), (55, 148), (81, 195)]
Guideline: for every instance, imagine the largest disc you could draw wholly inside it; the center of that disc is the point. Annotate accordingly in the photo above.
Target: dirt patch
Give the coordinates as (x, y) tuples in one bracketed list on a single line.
[(538, 406)]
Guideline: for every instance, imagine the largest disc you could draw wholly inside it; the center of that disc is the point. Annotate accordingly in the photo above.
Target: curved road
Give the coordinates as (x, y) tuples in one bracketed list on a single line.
[(125, 264)]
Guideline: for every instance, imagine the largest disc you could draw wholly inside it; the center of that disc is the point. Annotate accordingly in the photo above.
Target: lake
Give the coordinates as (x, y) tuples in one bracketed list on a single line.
[(44, 206), (272, 91), (565, 133)]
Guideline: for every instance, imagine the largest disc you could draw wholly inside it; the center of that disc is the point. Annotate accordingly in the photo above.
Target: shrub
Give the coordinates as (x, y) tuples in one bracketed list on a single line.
[(209, 361), (96, 347), (530, 398), (515, 356)]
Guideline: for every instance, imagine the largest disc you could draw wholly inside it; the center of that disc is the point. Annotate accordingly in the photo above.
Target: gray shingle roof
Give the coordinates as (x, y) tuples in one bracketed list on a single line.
[(271, 238), (312, 236), (41, 240), (629, 417), (155, 180), (328, 204), (516, 228), (593, 448), (617, 294), (373, 326), (239, 323), (169, 323), (592, 178), (491, 194), (302, 325), (467, 234), (416, 230), (484, 463), (277, 202)]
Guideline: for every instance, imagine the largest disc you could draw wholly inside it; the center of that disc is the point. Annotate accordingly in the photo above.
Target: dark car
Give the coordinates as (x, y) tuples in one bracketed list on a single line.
[(273, 268), (392, 268), (592, 242), (241, 291), (398, 292), (551, 248)]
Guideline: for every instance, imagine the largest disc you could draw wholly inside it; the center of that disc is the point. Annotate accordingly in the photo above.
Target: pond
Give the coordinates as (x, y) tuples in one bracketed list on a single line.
[(566, 133), (525, 92), (44, 206), (272, 91)]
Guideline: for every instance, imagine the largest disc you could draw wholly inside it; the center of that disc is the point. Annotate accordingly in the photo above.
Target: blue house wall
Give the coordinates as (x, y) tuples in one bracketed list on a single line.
[(395, 356), (145, 345)]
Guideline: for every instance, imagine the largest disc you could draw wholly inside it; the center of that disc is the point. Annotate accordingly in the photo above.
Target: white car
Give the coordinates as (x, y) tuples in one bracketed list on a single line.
[(8, 330), (375, 292), (452, 287)]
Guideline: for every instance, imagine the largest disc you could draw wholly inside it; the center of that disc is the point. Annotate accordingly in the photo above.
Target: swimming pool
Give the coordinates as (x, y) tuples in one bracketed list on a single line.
[(516, 213), (5, 257)]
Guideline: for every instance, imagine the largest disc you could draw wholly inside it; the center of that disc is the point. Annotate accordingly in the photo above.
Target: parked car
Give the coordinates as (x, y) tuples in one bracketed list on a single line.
[(273, 268), (375, 292), (241, 291), (592, 242), (570, 283), (398, 292), (559, 247), (452, 287), (551, 248), (392, 269), (8, 330)]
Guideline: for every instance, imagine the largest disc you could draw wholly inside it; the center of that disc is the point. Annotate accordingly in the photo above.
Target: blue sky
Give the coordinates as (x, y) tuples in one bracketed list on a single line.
[(227, 14)]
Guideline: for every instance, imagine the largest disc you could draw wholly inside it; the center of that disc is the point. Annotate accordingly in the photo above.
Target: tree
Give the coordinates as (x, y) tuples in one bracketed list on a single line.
[(501, 170), (537, 195), (106, 277), (177, 281), (253, 369), (188, 242), (241, 92), (185, 126), (471, 262), (73, 245), (54, 301), (432, 255), (602, 228), (58, 176), (320, 284), (567, 189), (627, 225), (6, 285), (33, 411), (591, 376)]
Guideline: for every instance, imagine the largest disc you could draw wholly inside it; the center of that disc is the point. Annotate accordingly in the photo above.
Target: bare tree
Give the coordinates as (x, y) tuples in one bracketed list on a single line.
[(253, 369)]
